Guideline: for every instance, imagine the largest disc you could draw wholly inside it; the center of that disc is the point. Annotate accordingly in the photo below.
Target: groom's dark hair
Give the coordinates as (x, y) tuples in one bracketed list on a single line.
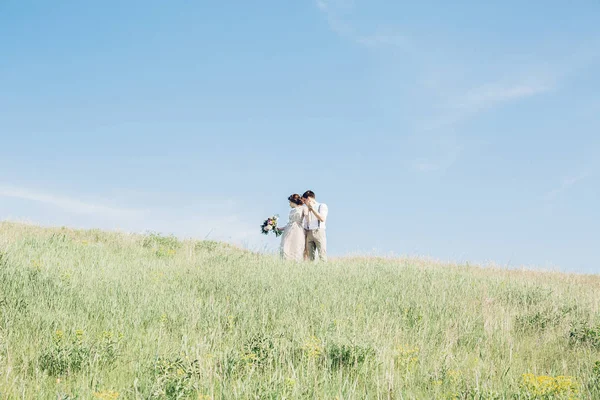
[(308, 193)]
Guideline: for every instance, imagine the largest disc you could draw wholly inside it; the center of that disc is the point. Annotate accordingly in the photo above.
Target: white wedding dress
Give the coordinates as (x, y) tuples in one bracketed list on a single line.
[(293, 239)]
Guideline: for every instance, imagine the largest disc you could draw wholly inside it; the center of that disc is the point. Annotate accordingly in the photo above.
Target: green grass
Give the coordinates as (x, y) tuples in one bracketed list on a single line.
[(91, 314)]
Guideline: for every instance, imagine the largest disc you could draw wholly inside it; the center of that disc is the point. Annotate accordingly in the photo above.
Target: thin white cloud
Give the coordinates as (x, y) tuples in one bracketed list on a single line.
[(489, 95), (455, 106), (333, 9), (445, 94), (589, 170), (467, 104), (566, 184), (66, 203), (327, 7), (201, 218), (458, 109)]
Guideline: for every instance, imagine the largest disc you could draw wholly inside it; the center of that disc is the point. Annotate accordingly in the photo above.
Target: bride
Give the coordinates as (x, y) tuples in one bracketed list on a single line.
[(293, 239)]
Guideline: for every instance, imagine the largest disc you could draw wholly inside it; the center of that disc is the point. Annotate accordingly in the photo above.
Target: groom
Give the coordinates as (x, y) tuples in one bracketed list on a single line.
[(315, 226)]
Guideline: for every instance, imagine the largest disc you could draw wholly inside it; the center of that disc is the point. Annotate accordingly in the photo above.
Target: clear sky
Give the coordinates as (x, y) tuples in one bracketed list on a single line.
[(465, 131)]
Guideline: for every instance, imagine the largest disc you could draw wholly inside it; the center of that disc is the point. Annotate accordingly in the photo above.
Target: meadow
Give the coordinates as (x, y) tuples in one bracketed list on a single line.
[(87, 314)]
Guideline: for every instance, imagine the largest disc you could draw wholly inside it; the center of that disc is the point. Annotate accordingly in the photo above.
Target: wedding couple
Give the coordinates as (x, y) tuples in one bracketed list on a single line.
[(304, 235)]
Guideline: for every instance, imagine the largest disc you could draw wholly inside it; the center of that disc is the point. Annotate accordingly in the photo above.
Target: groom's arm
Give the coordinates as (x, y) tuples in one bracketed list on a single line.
[(322, 216)]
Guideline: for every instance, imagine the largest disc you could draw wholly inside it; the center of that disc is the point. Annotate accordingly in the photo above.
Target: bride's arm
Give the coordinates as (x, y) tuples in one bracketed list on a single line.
[(304, 214), (283, 228)]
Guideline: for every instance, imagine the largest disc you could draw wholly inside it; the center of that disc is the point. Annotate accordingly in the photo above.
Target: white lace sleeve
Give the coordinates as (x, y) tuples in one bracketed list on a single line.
[(290, 220)]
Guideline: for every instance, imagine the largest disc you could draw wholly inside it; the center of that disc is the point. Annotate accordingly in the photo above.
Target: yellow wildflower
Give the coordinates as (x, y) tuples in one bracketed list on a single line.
[(454, 375), (36, 265), (58, 336), (313, 347), (543, 385), (407, 356), (291, 382), (249, 357), (107, 395)]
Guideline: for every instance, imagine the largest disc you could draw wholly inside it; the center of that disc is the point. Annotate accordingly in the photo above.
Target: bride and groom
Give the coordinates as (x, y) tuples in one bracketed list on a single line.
[(305, 233)]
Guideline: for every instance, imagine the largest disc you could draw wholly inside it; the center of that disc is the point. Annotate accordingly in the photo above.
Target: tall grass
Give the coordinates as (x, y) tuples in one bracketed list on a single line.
[(91, 314)]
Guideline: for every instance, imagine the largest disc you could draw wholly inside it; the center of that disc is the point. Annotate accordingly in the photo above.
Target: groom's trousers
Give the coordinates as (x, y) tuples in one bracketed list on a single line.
[(316, 241)]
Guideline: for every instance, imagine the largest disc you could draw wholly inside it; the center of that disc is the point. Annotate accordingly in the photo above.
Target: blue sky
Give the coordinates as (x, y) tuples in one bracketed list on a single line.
[(467, 131)]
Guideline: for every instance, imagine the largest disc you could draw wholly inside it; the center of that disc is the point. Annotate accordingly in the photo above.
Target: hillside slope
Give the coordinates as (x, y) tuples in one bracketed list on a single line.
[(91, 314)]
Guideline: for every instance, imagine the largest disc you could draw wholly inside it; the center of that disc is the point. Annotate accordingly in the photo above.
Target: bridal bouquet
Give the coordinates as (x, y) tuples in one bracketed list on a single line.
[(270, 225)]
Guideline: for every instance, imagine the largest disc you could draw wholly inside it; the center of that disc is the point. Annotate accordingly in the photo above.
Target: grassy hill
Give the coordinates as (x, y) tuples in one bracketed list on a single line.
[(91, 314)]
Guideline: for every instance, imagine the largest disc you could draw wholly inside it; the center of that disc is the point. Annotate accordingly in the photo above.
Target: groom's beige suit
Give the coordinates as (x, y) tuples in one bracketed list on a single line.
[(316, 232)]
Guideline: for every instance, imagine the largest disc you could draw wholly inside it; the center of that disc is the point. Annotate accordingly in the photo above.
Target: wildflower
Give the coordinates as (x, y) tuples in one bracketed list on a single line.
[(37, 265), (250, 357), (407, 356), (543, 385), (158, 276), (164, 318), (454, 375), (313, 347), (291, 382), (58, 336), (107, 395)]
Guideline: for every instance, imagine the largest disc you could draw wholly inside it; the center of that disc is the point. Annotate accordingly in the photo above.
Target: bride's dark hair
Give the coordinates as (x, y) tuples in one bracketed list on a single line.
[(296, 199)]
